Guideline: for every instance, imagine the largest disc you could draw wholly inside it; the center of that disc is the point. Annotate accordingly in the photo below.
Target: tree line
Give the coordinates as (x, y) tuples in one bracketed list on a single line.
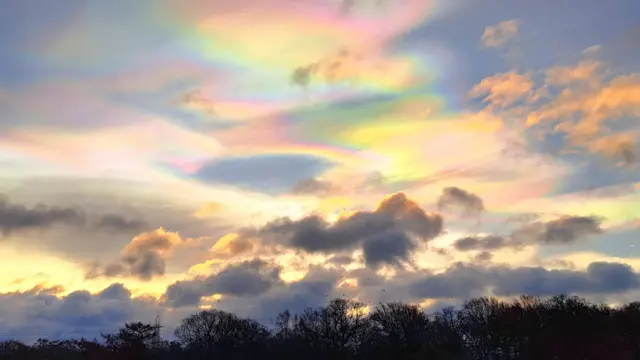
[(558, 328)]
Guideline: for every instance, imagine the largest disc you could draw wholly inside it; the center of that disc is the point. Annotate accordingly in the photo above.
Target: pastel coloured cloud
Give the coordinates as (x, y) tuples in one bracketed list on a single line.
[(315, 148)]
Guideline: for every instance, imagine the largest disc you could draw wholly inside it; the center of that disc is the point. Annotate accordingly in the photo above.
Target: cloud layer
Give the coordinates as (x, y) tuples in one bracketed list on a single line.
[(257, 156)]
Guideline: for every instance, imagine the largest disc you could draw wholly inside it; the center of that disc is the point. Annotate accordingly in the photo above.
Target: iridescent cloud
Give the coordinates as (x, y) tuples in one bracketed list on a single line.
[(359, 145)]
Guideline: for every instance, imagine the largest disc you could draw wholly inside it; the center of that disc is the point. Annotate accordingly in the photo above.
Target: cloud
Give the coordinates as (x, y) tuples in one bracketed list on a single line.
[(465, 281), (143, 258), (504, 89), (265, 173), (453, 197), (314, 234), (197, 101), (249, 278), (30, 314), (317, 286), (349, 66), (387, 248), (563, 230), (584, 71), (500, 34), (115, 222), (312, 186), (338, 67), (623, 146), (585, 102), (484, 243), (16, 217)]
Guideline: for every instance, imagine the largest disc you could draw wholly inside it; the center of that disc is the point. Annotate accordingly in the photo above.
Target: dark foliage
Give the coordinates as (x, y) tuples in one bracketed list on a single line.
[(560, 328)]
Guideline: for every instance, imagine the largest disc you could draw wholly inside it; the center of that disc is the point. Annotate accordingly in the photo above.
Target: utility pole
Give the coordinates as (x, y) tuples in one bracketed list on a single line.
[(156, 335)]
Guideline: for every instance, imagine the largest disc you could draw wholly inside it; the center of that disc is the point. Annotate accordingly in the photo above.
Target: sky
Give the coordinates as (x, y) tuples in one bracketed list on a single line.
[(159, 157)]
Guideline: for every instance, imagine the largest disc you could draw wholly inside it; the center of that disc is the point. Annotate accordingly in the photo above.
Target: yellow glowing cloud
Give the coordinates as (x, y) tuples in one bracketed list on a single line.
[(41, 269), (209, 209)]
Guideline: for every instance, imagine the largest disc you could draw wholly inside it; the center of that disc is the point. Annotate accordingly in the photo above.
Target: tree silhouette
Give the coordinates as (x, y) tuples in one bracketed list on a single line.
[(527, 328), (214, 332)]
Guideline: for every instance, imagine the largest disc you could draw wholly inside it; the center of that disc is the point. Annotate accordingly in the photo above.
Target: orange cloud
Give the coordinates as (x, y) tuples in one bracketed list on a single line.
[(504, 89), (577, 100), (621, 145), (566, 75)]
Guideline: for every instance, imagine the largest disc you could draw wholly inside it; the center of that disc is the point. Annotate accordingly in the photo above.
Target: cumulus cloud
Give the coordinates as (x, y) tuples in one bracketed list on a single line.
[(500, 34), (79, 313), (143, 258), (314, 234), (253, 288), (454, 197), (249, 278), (387, 248)]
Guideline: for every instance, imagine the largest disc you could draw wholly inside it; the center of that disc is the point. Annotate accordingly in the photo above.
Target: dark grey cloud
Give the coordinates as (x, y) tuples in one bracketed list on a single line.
[(464, 281), (312, 186), (80, 313), (142, 258), (318, 286), (115, 291), (117, 223), (563, 230), (313, 234), (483, 257), (249, 278), (16, 217), (484, 243), (456, 198), (265, 173), (341, 260), (570, 228), (458, 281), (390, 248)]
